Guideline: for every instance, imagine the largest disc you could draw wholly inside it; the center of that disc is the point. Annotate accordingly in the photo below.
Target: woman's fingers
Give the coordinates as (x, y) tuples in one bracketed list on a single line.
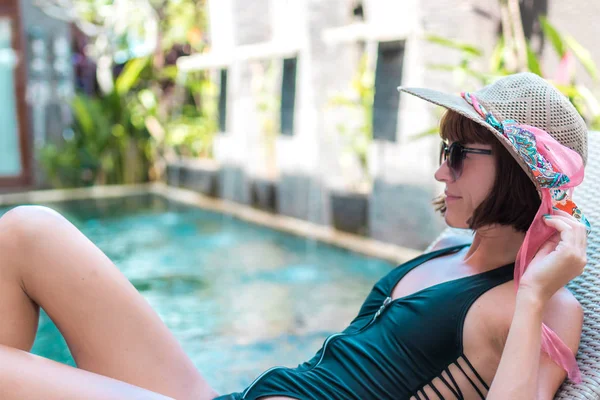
[(567, 217), (571, 244), (578, 229), (561, 213), (562, 225), (558, 211)]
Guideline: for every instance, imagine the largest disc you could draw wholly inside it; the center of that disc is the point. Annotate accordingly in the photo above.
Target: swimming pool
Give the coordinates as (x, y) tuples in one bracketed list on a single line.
[(239, 297)]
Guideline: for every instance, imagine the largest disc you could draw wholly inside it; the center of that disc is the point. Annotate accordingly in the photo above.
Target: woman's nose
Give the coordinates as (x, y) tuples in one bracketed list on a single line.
[(443, 173)]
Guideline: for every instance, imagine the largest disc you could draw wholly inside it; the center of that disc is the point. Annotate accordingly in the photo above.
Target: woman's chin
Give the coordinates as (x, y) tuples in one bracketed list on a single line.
[(452, 222)]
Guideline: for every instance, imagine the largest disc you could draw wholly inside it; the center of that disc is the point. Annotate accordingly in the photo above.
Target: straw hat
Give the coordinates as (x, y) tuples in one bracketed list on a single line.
[(526, 98)]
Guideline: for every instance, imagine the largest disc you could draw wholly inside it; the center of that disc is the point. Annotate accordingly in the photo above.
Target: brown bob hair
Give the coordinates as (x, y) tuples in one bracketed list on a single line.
[(514, 200)]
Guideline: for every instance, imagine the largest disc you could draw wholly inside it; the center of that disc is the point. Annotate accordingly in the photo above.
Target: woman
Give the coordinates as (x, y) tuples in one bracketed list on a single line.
[(448, 324)]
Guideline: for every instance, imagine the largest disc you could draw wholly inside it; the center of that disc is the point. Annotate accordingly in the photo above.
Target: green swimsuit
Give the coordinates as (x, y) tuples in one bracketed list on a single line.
[(393, 349)]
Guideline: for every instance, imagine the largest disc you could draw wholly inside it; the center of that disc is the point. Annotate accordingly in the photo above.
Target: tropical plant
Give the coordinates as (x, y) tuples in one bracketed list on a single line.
[(569, 50), (513, 53), (358, 140), (191, 130), (109, 142), (123, 134)]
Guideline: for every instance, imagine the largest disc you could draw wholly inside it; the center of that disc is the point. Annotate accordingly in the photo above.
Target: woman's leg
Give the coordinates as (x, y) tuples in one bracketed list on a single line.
[(109, 328), (24, 376)]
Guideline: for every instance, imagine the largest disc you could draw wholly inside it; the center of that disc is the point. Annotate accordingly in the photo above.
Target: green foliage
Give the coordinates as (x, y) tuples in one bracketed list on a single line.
[(565, 48), (265, 84), (121, 26), (563, 44), (191, 133), (110, 143), (583, 55), (191, 136), (122, 135), (130, 75), (357, 140), (465, 48), (533, 63), (554, 36), (183, 21)]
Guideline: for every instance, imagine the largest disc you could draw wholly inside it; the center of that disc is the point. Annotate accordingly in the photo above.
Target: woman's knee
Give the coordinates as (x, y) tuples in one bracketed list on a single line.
[(30, 240), (24, 225)]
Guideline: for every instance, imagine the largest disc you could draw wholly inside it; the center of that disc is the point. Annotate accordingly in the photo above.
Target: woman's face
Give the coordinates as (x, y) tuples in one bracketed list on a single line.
[(472, 187)]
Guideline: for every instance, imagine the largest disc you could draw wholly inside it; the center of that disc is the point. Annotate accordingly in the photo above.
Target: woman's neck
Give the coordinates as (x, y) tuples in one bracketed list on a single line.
[(493, 247)]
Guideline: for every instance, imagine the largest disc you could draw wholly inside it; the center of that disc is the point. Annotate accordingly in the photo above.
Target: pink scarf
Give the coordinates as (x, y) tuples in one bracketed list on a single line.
[(558, 170)]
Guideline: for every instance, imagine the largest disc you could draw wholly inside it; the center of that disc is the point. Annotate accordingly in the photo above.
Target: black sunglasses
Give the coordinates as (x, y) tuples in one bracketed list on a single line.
[(455, 154)]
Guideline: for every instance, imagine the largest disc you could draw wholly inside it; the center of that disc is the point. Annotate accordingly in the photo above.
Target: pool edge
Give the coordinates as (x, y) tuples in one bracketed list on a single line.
[(358, 244)]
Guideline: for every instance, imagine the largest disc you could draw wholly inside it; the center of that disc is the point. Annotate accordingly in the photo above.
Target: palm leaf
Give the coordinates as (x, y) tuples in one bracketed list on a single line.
[(435, 130), (592, 102), (583, 55), (497, 58), (454, 44), (533, 63), (101, 131), (569, 91), (554, 36), (82, 114), (130, 75)]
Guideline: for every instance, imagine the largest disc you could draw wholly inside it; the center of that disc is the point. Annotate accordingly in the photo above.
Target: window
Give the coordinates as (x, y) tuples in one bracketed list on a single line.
[(358, 12), (388, 76), (223, 101), (288, 96)]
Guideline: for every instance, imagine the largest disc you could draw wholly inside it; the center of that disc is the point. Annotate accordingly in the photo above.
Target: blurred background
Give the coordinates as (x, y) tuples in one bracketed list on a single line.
[(281, 107), (287, 105)]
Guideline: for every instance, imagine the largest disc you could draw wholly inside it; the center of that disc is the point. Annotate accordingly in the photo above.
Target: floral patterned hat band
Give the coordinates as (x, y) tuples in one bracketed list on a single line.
[(554, 166)]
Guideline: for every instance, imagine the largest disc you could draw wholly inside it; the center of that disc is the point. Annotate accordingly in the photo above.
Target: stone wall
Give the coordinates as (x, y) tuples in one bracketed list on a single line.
[(252, 21)]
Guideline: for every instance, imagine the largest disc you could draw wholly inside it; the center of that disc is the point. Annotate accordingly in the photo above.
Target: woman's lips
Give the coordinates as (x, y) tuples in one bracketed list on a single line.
[(450, 197)]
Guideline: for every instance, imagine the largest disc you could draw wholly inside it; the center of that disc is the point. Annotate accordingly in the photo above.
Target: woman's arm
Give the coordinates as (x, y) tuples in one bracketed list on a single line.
[(516, 378), (517, 373), (564, 315), (523, 372)]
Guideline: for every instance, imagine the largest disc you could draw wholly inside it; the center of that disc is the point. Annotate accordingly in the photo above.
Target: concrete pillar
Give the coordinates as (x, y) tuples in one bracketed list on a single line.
[(308, 160), (249, 25)]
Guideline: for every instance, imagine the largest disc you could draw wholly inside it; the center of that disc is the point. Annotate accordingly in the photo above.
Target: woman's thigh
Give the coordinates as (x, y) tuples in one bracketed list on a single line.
[(109, 328), (24, 376)]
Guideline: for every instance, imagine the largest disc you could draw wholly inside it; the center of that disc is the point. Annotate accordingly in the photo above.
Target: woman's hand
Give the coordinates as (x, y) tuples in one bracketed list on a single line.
[(559, 260)]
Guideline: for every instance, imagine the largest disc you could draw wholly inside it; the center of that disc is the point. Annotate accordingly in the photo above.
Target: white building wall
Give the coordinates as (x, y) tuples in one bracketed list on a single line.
[(326, 38)]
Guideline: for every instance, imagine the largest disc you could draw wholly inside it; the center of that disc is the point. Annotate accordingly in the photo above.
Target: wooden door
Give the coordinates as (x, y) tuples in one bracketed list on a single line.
[(15, 153)]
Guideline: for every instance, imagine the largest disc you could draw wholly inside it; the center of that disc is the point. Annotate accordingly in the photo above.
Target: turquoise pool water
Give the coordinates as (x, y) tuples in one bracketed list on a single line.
[(240, 298)]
